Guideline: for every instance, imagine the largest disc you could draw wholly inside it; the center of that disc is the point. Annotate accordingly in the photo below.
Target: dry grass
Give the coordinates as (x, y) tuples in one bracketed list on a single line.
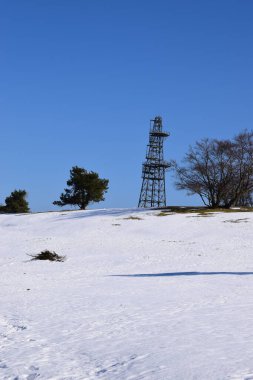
[(133, 218), (200, 211), (243, 220), (48, 255)]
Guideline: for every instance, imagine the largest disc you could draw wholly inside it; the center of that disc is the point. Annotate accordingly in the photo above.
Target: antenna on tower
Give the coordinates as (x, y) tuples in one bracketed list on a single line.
[(153, 192)]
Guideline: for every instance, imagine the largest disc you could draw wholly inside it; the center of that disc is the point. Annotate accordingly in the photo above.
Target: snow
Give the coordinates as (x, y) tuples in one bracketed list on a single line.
[(156, 298)]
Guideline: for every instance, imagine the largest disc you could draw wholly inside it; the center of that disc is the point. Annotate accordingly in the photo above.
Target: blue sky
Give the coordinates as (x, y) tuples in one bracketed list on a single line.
[(80, 79)]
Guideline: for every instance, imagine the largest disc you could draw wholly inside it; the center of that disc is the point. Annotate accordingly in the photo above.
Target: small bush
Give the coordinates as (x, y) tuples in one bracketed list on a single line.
[(48, 255)]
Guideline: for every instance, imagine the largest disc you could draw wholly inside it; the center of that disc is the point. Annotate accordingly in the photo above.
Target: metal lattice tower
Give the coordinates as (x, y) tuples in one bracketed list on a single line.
[(153, 169)]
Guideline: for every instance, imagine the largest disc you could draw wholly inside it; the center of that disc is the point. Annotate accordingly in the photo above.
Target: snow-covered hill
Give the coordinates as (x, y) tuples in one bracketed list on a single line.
[(140, 296)]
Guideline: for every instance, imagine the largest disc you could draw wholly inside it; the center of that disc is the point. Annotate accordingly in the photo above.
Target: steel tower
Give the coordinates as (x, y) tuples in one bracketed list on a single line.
[(153, 169)]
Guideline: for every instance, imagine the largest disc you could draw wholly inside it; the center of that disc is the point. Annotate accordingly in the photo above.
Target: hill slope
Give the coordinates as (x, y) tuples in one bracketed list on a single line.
[(140, 296)]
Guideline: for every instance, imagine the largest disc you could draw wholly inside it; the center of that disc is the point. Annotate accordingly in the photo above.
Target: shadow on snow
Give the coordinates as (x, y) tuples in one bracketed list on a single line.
[(79, 214), (178, 274)]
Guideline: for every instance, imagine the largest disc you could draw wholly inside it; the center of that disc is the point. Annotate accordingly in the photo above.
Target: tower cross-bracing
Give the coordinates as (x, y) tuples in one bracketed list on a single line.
[(153, 192)]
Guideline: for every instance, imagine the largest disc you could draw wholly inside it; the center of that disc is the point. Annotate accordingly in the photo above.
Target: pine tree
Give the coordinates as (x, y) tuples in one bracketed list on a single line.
[(84, 187), (16, 202)]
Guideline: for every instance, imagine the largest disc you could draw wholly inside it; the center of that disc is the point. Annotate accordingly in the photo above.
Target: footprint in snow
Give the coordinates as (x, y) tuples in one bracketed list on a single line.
[(115, 367), (33, 375), (20, 327)]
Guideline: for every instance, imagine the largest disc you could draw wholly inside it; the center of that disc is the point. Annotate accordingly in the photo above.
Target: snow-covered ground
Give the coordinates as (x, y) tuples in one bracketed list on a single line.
[(156, 298)]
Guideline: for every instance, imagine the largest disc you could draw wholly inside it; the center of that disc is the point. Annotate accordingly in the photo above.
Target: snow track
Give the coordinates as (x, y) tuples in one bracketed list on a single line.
[(140, 296)]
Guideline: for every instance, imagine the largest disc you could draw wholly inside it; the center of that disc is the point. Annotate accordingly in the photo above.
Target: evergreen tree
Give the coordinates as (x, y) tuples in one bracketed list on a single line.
[(16, 202), (84, 187)]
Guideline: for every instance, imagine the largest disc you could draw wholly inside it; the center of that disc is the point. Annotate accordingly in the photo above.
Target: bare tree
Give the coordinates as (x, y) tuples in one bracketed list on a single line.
[(245, 201), (219, 171)]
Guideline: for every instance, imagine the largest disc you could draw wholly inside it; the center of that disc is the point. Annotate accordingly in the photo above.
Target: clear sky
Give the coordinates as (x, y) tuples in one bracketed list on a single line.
[(80, 79)]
